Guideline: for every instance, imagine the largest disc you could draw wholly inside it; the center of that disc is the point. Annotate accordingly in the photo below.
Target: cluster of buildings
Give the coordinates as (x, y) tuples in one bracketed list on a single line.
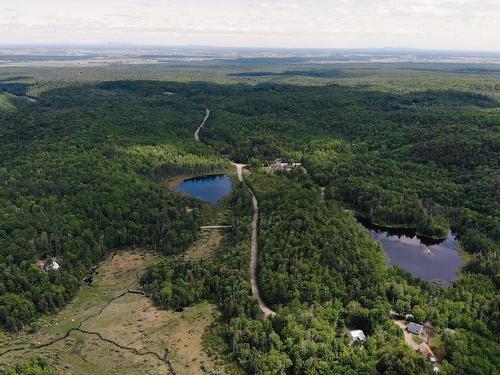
[(423, 348), (414, 328), (279, 165)]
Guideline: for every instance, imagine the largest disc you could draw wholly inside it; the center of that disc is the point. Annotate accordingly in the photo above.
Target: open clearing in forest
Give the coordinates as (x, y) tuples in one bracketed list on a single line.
[(204, 246), (132, 321)]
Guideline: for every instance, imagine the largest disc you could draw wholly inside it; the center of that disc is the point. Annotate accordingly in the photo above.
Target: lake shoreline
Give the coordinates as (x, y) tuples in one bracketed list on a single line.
[(438, 261), (211, 188), (395, 227)]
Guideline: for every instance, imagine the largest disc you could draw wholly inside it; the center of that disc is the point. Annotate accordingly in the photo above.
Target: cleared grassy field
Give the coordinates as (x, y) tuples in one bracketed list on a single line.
[(112, 331), (5, 104), (204, 247)]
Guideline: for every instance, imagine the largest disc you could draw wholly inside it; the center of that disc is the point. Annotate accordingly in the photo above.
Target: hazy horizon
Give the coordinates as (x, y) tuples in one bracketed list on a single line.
[(462, 25), (119, 45)]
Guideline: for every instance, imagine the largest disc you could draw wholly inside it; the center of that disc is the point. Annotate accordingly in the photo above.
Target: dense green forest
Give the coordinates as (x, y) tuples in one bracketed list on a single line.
[(323, 275), (80, 172), (80, 176), (427, 161)]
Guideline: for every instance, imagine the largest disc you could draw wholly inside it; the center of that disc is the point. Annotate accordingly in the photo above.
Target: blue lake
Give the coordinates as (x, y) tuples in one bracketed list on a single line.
[(430, 260), (210, 188)]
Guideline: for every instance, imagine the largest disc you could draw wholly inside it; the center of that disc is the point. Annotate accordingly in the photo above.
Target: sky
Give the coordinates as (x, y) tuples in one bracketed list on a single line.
[(425, 24)]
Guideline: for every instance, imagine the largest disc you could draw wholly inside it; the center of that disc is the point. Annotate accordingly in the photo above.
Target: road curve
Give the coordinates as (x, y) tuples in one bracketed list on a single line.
[(254, 252), (197, 132)]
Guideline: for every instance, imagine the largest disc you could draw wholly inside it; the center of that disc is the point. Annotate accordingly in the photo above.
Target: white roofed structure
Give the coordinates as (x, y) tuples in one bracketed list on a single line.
[(358, 335)]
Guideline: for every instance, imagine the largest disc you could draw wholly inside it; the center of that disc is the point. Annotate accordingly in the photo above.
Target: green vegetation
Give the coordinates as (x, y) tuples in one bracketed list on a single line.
[(5, 104), (318, 269), (33, 366), (373, 151), (81, 171)]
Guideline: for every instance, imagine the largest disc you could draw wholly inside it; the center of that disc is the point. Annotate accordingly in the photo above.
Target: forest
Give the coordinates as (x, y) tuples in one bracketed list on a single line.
[(81, 172), (427, 161)]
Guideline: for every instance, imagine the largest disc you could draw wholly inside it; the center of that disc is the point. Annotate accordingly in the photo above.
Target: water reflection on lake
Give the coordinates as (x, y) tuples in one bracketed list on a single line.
[(427, 259), (210, 188)]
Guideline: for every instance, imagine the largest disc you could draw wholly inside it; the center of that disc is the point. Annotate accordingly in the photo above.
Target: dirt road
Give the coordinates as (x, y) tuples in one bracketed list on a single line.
[(253, 261), (408, 336), (197, 132), (254, 252)]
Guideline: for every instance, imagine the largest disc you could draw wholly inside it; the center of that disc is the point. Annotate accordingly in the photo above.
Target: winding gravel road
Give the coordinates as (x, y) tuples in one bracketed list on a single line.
[(197, 132), (254, 252)]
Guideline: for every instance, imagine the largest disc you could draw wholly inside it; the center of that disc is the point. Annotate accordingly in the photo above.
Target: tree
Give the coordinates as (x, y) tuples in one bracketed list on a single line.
[(15, 311)]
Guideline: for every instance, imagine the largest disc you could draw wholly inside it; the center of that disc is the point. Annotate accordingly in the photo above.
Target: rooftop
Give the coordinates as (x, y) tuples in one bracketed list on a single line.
[(358, 335), (415, 328)]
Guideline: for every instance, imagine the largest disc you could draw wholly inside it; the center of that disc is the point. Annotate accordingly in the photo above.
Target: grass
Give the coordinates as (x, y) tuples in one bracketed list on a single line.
[(204, 246), (5, 103), (417, 339), (131, 320)]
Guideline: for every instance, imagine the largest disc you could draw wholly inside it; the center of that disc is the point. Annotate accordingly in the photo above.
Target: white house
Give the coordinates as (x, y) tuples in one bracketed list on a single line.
[(357, 335), (52, 265)]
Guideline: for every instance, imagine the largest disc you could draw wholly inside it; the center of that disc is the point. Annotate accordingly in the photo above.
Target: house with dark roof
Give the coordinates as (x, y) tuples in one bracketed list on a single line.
[(414, 328)]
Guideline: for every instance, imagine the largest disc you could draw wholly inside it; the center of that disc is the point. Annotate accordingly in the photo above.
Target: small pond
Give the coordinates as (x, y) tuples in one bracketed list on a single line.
[(430, 260), (210, 188)]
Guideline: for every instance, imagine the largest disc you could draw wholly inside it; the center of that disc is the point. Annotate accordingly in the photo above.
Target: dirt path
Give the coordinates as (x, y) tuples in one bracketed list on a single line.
[(197, 132), (254, 252), (408, 336), (322, 196), (253, 261), (239, 170), (208, 227)]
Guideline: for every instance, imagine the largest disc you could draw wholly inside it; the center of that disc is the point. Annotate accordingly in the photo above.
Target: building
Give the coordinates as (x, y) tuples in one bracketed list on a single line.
[(51, 266), (415, 328), (280, 166), (357, 335), (427, 353)]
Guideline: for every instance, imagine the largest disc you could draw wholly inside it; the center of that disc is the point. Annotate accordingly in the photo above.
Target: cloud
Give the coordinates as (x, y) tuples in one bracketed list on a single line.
[(279, 6), (463, 24)]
